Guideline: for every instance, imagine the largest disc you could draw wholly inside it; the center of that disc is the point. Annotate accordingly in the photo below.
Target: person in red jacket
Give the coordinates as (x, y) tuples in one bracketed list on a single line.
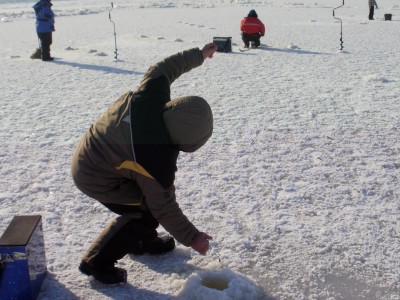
[(252, 29)]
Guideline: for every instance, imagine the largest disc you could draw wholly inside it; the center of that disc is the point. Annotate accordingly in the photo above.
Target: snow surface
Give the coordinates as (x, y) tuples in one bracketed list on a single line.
[(299, 184)]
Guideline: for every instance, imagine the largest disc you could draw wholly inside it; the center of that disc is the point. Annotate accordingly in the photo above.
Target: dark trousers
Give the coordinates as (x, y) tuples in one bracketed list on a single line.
[(142, 225), (247, 38), (122, 235), (371, 13), (46, 39)]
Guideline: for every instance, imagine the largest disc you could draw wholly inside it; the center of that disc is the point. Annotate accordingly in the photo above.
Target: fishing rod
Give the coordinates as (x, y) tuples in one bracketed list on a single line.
[(115, 34), (341, 26)]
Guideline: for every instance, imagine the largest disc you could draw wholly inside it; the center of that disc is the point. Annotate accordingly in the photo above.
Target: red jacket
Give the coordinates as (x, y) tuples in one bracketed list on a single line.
[(251, 25)]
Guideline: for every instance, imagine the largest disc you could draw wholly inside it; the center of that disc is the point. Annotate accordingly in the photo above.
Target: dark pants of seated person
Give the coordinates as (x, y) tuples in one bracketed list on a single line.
[(247, 38)]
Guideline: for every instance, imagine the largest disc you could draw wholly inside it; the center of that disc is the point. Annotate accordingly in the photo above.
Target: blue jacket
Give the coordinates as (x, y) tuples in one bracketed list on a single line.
[(44, 16)]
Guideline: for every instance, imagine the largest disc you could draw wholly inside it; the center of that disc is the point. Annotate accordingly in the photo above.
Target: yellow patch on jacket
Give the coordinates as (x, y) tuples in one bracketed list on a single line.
[(134, 166)]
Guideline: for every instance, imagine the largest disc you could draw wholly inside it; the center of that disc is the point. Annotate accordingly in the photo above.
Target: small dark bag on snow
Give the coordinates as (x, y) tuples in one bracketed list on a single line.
[(224, 44), (36, 54)]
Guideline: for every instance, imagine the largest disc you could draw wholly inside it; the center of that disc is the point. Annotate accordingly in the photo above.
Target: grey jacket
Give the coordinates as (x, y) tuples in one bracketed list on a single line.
[(372, 3)]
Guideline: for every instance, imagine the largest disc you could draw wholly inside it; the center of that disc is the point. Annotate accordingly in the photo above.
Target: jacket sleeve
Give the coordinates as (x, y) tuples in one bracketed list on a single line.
[(163, 206), (160, 200), (45, 13), (174, 66), (262, 28)]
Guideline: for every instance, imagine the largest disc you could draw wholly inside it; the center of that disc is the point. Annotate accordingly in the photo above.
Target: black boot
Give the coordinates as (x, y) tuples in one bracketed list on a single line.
[(103, 273)]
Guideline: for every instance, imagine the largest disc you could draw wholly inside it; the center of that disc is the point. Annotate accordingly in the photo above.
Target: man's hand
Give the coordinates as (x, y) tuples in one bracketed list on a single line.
[(208, 50), (200, 243)]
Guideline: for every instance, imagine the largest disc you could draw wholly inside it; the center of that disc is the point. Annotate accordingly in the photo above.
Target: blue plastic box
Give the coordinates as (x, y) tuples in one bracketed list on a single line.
[(23, 260)]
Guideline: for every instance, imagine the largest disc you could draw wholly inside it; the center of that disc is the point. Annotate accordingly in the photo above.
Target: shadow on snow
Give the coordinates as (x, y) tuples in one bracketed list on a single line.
[(97, 68)]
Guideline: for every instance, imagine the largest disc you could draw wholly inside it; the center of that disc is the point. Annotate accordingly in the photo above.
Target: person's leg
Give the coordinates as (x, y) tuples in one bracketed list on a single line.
[(371, 13), (46, 41), (104, 186), (132, 232), (118, 238), (142, 230), (245, 39), (254, 40), (110, 246)]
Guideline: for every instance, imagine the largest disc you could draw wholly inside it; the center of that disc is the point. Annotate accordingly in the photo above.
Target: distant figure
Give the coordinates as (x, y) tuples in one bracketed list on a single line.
[(252, 29), (45, 27), (371, 4)]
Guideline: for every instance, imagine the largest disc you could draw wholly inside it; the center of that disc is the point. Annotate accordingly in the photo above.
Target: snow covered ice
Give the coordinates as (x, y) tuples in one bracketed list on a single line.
[(299, 184)]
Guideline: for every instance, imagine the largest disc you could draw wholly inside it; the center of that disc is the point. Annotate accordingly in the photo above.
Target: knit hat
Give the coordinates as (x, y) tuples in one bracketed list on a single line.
[(189, 121), (253, 14)]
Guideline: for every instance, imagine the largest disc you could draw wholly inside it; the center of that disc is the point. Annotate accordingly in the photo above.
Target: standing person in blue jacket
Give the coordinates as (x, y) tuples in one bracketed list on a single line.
[(45, 27)]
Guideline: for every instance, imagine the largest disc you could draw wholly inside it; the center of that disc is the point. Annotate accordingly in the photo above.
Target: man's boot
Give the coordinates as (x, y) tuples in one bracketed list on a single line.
[(111, 245)]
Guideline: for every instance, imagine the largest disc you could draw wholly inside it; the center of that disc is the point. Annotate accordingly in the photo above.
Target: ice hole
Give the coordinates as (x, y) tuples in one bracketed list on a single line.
[(215, 283), (220, 284)]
